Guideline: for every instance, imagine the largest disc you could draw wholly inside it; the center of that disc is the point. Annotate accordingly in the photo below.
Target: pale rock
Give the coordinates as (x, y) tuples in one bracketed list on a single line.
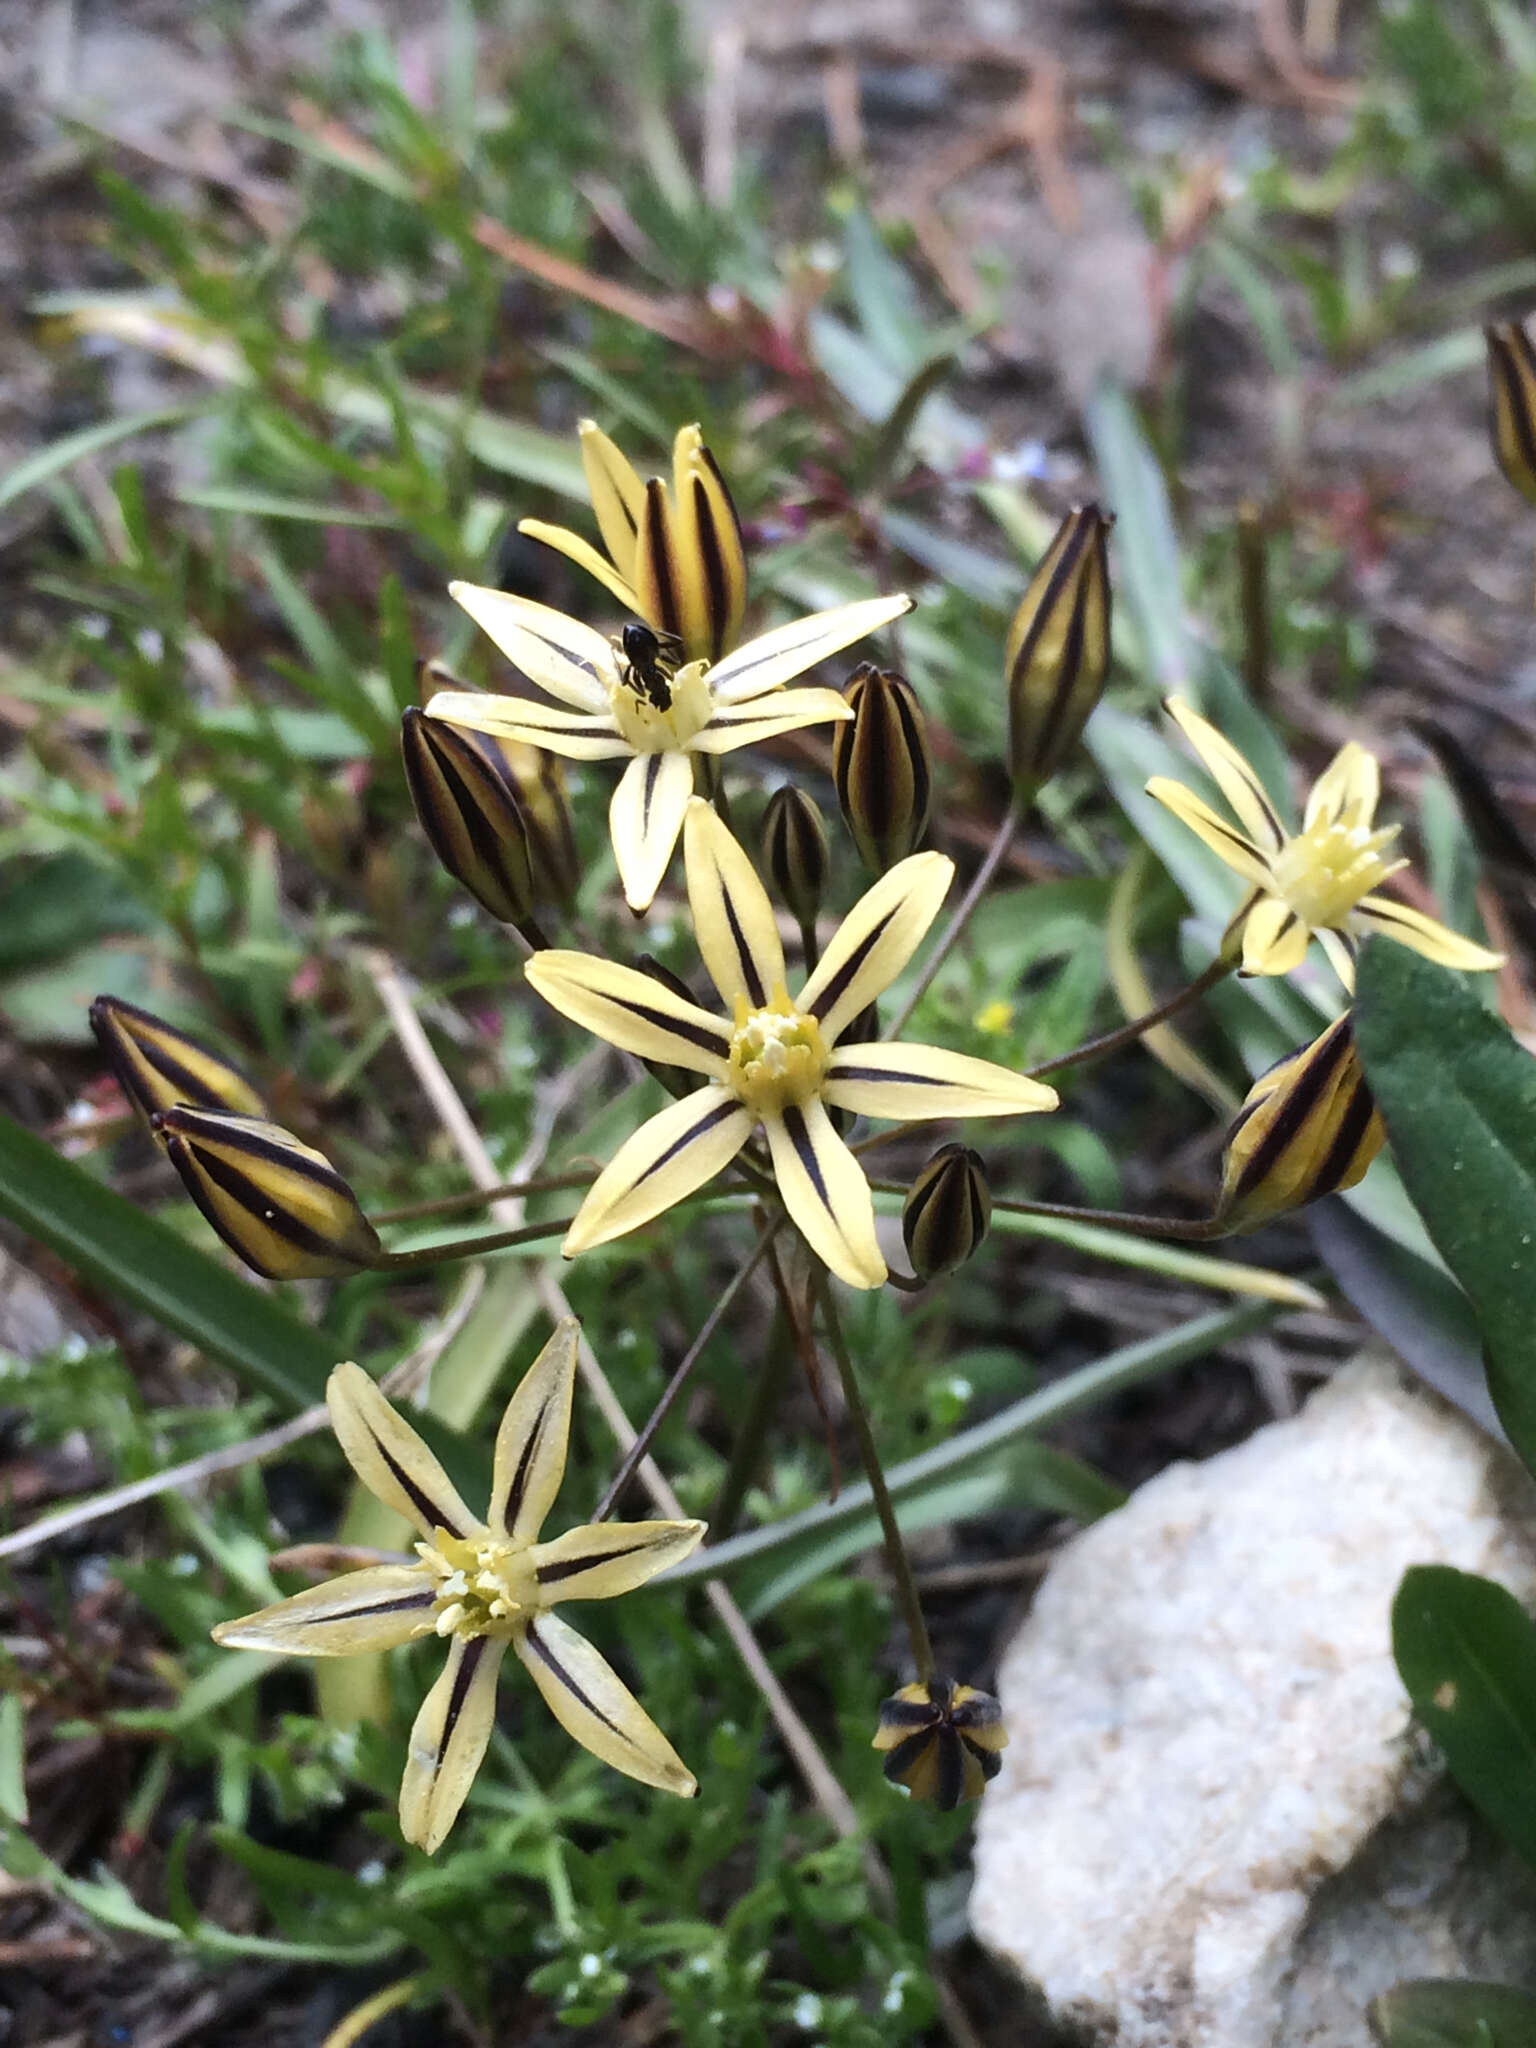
[(1206, 1725)]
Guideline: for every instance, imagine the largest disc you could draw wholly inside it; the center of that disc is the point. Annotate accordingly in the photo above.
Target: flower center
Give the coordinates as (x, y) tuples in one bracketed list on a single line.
[(481, 1583), (1323, 873), (656, 706), (777, 1055)]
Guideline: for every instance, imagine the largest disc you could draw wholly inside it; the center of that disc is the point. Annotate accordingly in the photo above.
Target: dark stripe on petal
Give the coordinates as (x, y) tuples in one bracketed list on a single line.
[(713, 564), (469, 1664), (1340, 1156), (551, 1663), (908, 1713), (901, 1761), (576, 660), (695, 1034), (193, 1164), (805, 1151), (405, 1604), (519, 1486), (841, 1073), (832, 994), (1305, 1091), (567, 1567), (950, 1789), (654, 543), (700, 1130), (652, 774), (990, 1760), (749, 974)]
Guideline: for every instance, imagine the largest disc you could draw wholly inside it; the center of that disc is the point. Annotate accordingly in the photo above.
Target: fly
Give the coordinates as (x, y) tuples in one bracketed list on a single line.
[(651, 657)]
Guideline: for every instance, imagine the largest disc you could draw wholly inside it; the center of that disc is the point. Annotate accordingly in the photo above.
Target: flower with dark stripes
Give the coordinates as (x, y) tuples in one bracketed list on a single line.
[(1057, 654), (637, 698), (675, 557), (482, 1586), (1512, 403), (276, 1202), (941, 1741), (1308, 1128), (1315, 883), (947, 1213), (773, 1064), (158, 1066), (881, 766)]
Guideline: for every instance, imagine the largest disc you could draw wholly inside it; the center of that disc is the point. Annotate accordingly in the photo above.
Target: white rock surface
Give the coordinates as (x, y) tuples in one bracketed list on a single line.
[(1205, 1721)]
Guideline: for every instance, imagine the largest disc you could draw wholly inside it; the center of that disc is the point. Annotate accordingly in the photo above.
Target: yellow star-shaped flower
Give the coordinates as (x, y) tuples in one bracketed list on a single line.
[(483, 1585), (773, 1063), (1316, 883)]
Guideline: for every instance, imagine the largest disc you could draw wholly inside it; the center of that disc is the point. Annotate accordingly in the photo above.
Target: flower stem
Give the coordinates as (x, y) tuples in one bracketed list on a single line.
[(808, 945), (1192, 1230), (472, 1247), (895, 1548), (481, 1198), (980, 882), (1127, 1034), (679, 1379)]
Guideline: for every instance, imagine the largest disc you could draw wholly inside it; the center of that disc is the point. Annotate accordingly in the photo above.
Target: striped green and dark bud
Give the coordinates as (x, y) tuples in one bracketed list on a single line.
[(881, 766), (491, 818), (795, 851), (1512, 403), (1057, 654), (1309, 1127), (942, 1741), (690, 564), (947, 1213), (158, 1066), (278, 1204)]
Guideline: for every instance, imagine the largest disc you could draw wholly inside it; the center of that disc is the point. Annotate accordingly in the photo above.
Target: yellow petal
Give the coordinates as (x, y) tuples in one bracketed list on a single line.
[(774, 658), (585, 556), (1234, 777), (669, 594), (676, 1151), (569, 660), (876, 940), (617, 494), (910, 1082), (1347, 791), (579, 735), (631, 1011), (449, 1739), (732, 917), (709, 535), (1223, 839), (531, 1442), (390, 1458), (1307, 1128), (1422, 934), (1341, 956), (360, 1612), (1274, 938), (595, 1707), (826, 1193), (644, 819), (767, 718), (604, 1559)]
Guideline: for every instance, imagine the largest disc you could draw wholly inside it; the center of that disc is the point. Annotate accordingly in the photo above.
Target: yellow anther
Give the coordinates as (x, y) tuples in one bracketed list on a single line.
[(1323, 873), (777, 1056)]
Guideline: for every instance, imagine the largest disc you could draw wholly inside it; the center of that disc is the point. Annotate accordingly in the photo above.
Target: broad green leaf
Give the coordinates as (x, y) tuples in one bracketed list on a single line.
[(1459, 1098), (1454, 2013), (1466, 1652)]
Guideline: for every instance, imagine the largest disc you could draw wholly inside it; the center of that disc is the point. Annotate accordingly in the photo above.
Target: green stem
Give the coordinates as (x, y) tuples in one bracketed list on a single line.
[(1188, 1230), (1127, 1034), (482, 1198), (642, 1443), (895, 1548), (980, 882), (472, 1247)]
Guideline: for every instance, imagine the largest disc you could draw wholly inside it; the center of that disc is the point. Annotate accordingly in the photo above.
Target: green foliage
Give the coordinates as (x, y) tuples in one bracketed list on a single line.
[(1454, 2014)]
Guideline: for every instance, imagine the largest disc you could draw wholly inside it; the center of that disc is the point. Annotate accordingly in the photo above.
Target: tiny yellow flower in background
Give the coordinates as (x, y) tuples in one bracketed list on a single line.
[(675, 558), (994, 1018), (1308, 1128), (773, 1063), (1318, 882), (941, 1741), (636, 700), (483, 1585)]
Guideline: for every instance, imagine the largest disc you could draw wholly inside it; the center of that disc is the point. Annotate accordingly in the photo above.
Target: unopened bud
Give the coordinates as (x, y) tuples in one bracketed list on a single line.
[(1057, 653), (947, 1213), (941, 1741), (881, 766), (279, 1204), (795, 851), (158, 1066), (1309, 1127), (1512, 403), (690, 566)]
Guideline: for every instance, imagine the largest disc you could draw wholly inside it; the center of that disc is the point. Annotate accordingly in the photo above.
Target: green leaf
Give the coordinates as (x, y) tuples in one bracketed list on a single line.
[(1454, 2013), (1466, 1651), (46, 463), (1459, 1098)]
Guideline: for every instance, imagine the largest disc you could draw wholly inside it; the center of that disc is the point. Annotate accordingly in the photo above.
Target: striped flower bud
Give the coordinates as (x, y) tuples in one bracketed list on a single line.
[(795, 851), (1308, 1128), (1512, 403), (941, 1741), (947, 1213), (1057, 653), (881, 766), (158, 1066), (279, 1204), (471, 792)]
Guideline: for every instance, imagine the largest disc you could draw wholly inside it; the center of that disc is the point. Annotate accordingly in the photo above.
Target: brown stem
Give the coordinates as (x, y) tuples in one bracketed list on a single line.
[(481, 1198), (1190, 1230), (995, 855), (1127, 1034), (472, 1247)]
